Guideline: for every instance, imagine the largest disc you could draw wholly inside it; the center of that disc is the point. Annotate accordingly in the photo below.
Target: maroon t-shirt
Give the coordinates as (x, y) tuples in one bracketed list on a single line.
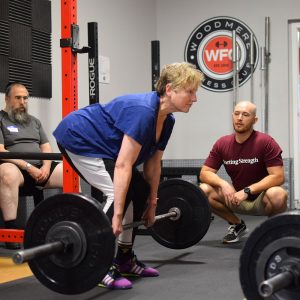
[(245, 163)]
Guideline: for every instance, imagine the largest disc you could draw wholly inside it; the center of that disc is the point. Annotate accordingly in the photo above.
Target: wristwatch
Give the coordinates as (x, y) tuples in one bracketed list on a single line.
[(247, 191), (28, 166)]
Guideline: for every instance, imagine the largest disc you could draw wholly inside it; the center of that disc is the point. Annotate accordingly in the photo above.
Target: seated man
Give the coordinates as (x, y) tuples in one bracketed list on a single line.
[(21, 132), (253, 161)]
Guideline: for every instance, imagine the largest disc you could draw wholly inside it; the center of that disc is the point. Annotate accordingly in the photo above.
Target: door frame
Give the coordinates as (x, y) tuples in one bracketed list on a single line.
[(294, 108)]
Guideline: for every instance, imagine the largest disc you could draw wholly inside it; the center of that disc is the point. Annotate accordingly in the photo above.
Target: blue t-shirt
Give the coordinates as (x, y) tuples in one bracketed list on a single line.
[(97, 130)]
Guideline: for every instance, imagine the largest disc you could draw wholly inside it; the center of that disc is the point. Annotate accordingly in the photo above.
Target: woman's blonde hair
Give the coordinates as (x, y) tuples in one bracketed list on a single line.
[(179, 75)]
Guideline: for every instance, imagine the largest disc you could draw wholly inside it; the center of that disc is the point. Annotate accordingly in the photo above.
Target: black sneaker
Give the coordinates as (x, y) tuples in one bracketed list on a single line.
[(134, 267), (235, 231)]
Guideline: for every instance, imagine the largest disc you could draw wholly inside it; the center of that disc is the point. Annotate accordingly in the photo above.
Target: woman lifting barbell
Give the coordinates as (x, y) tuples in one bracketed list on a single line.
[(105, 143)]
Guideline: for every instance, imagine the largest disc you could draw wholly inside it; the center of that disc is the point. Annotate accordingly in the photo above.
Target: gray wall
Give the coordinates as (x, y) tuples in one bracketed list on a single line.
[(126, 28)]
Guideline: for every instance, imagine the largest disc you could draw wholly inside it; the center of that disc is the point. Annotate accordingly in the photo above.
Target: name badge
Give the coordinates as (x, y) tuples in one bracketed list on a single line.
[(12, 128)]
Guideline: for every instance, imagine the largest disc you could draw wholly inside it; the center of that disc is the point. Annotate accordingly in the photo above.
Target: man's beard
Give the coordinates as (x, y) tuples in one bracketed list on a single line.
[(19, 116)]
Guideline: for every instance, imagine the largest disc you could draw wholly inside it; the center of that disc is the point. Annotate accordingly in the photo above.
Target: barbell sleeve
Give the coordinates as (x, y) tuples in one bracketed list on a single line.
[(280, 281), (172, 213), (38, 251)]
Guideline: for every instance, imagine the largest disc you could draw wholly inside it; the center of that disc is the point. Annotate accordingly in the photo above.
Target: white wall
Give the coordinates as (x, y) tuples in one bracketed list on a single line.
[(125, 31), (126, 28), (210, 117)]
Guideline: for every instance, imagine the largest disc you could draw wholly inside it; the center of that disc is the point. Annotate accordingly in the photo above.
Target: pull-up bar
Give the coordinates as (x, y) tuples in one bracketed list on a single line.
[(30, 155)]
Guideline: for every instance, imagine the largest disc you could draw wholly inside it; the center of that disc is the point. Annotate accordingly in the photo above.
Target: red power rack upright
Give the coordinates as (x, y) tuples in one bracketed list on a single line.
[(69, 79)]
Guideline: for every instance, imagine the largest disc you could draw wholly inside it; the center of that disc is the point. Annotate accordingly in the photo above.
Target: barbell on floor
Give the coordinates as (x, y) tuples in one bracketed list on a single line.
[(72, 235), (69, 244), (270, 259)]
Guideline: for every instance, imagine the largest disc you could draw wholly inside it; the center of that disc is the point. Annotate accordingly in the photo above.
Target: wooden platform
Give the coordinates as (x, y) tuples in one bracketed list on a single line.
[(9, 271)]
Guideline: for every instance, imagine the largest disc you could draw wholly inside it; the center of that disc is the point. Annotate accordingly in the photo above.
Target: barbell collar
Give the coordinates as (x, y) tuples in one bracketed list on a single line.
[(171, 214), (39, 251)]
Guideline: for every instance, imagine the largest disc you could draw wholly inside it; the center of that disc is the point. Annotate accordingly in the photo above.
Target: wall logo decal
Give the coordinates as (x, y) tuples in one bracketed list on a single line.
[(209, 47)]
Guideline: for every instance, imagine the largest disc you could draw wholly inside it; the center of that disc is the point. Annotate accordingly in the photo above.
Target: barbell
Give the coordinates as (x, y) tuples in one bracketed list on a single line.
[(270, 259), (69, 244)]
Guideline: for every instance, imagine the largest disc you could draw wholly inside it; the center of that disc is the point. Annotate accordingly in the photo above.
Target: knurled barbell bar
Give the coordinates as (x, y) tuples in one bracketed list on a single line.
[(69, 244), (270, 259), (66, 241)]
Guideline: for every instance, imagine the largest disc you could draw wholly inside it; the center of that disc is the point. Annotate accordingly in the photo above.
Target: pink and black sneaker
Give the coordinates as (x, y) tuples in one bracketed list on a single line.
[(114, 280), (134, 267)]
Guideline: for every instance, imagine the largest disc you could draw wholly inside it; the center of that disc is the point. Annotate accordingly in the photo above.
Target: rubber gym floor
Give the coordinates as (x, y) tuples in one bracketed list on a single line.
[(206, 271)]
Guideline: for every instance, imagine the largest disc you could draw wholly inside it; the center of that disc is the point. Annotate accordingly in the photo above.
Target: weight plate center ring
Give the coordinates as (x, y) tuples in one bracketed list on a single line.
[(177, 212), (72, 235)]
